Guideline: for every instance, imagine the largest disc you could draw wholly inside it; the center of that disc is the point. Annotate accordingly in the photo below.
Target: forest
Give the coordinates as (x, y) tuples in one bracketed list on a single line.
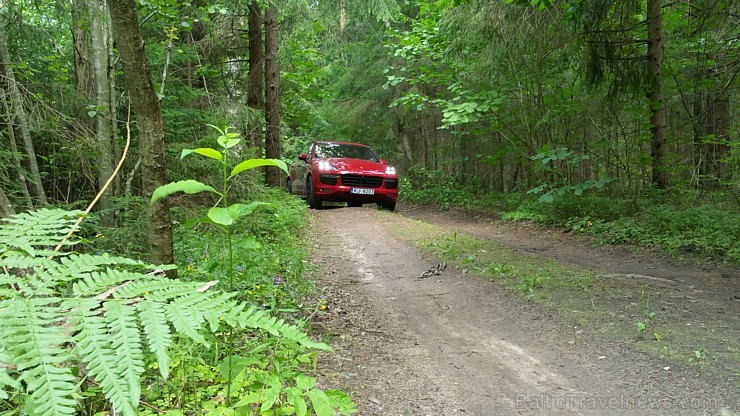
[(144, 139)]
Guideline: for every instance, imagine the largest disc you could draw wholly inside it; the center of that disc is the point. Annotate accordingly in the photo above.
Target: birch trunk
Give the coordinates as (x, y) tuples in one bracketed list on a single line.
[(6, 208), (99, 38), (20, 116), (27, 200)]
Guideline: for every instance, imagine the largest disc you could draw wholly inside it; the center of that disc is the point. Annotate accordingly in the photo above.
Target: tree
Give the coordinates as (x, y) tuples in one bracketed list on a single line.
[(20, 113), (98, 35), (256, 77), (145, 104), (17, 164), (272, 95), (612, 30), (81, 50), (6, 208), (656, 96)]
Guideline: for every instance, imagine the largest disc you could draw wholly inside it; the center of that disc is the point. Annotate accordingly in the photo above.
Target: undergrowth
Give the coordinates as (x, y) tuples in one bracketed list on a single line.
[(227, 337), (678, 222)]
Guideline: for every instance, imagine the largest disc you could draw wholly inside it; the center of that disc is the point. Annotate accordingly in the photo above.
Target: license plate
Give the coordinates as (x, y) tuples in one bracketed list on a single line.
[(362, 191)]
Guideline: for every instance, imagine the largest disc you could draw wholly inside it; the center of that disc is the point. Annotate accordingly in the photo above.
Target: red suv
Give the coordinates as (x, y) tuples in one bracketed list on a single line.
[(343, 172)]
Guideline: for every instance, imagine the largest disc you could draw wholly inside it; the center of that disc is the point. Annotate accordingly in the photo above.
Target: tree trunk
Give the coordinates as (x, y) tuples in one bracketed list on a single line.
[(145, 104), (17, 164), (256, 77), (656, 96), (98, 35), (117, 151), (272, 96), (342, 14), (6, 208), (83, 69), (20, 115)]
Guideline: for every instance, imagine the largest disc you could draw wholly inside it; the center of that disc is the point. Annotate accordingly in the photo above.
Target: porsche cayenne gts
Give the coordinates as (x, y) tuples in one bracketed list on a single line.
[(343, 172)]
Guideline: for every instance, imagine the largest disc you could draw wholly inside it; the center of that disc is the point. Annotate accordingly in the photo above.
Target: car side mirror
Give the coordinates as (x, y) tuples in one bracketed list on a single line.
[(383, 161), (303, 157)]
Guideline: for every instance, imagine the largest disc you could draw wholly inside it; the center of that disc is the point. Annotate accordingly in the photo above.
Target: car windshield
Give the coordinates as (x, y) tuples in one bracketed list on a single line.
[(350, 151)]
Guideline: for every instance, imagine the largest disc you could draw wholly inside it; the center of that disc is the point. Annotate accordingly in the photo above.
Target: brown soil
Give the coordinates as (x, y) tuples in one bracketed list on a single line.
[(453, 344)]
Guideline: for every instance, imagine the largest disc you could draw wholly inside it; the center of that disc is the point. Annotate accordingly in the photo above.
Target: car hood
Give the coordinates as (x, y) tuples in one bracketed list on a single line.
[(358, 165)]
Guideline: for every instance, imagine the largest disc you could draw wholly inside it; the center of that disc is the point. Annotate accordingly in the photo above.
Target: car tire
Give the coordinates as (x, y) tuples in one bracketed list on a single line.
[(354, 204), (313, 201), (388, 206), (288, 187)]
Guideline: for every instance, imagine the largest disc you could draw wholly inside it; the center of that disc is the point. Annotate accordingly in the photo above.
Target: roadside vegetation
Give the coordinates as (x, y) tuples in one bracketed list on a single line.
[(705, 224), (227, 336)]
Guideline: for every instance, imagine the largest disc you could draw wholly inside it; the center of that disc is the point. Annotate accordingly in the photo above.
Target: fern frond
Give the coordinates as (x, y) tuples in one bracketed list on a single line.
[(157, 330), (174, 291), (126, 341), (19, 260), (221, 307), (101, 310), (77, 266), (146, 285), (95, 283), (186, 321), (259, 319), (5, 381), (32, 335), (95, 347), (30, 231)]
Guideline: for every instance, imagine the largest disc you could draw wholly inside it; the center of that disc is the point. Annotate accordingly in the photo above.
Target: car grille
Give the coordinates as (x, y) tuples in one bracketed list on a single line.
[(391, 183), (359, 180), (328, 179)]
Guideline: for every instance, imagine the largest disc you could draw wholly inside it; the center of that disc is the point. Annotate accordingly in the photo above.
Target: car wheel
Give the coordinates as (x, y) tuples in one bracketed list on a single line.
[(388, 206), (354, 204), (288, 186), (313, 201)]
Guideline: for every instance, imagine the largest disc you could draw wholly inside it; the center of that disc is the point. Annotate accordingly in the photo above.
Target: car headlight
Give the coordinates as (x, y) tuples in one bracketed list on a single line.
[(324, 165), (390, 170)]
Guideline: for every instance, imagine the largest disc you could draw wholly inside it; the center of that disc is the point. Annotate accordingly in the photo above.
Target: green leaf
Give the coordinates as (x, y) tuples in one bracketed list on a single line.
[(205, 151), (341, 400), (305, 382), (296, 399), (195, 221), (320, 403), (220, 216), (255, 163), (238, 364), (227, 216), (188, 186), (272, 391)]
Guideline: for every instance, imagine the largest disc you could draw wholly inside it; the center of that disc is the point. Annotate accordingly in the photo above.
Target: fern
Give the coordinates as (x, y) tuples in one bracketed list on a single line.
[(106, 312)]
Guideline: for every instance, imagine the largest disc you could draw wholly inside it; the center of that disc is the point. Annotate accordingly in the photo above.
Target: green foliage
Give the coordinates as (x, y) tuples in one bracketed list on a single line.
[(425, 186), (530, 282), (680, 225), (255, 383), (60, 308), (548, 157)]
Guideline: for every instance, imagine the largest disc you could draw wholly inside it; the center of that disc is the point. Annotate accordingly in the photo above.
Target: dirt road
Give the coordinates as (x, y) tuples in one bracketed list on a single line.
[(454, 344)]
